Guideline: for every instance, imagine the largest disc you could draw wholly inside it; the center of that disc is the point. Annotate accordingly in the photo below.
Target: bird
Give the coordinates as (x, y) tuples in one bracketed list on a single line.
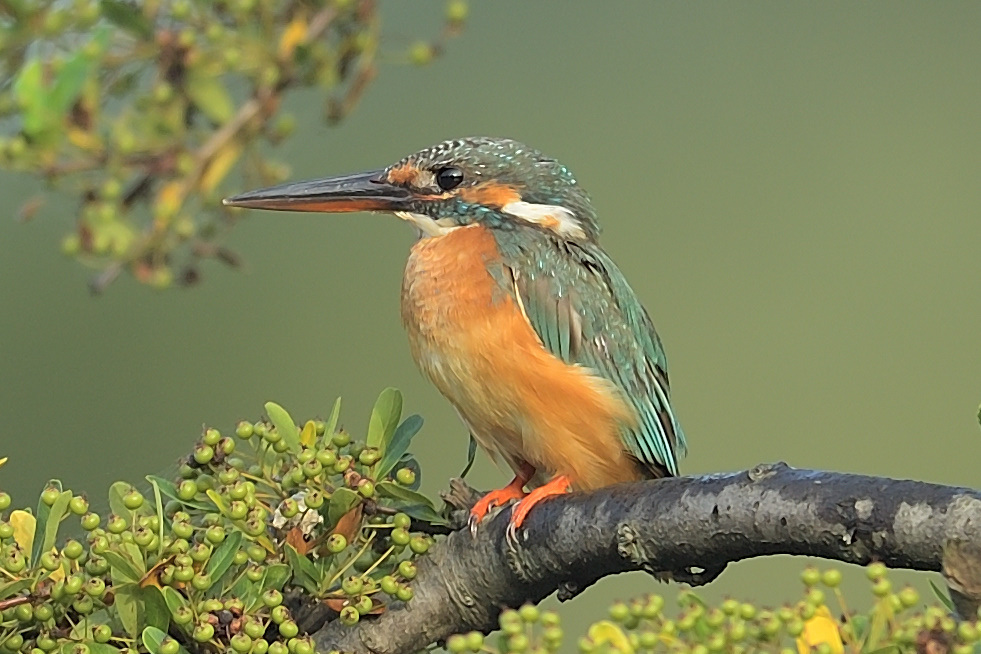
[(517, 315)]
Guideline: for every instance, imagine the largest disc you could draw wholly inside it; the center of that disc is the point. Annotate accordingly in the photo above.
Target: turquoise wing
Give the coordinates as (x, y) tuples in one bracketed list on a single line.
[(584, 312)]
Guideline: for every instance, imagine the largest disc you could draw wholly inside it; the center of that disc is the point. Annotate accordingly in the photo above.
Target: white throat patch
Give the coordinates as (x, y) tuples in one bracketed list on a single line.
[(553, 217), (427, 226)]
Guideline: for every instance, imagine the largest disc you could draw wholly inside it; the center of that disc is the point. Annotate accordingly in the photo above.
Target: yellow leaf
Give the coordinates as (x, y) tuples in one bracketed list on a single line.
[(606, 632), (308, 435), (2, 461), (84, 140), (219, 166), (170, 197), (821, 628), (24, 524), (294, 34)]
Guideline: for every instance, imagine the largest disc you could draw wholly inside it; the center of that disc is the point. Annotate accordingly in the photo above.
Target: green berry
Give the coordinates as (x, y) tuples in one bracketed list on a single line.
[(367, 488), (169, 646), (187, 490), (881, 588), (341, 439), (95, 587), (831, 578), (73, 584), (13, 642), (389, 585), (203, 632), (400, 536), (288, 629), (211, 437), (811, 576), (203, 454), (405, 476), (50, 495), (908, 597), (337, 543), (24, 613), (50, 561), (401, 520), (419, 544), (279, 614), (272, 598), (133, 500), (529, 613), (201, 581), (240, 643), (260, 646), (83, 604), (314, 499), (457, 644), (875, 571), (404, 593), (349, 616), (352, 586), (244, 429), (214, 535), (101, 633), (6, 531), (303, 646), (475, 640), (4, 501), (237, 510), (277, 647), (327, 458), (254, 628), (289, 508), (78, 505), (408, 570), (43, 612)]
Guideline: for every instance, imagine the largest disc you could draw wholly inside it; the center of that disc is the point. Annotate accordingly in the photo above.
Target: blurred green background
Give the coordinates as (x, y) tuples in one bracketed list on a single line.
[(792, 189)]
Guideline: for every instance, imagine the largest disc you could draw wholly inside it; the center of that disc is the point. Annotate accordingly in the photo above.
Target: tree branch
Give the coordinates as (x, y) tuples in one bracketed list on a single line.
[(684, 528)]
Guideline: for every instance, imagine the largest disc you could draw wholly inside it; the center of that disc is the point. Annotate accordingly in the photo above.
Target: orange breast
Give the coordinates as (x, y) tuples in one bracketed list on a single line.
[(522, 404)]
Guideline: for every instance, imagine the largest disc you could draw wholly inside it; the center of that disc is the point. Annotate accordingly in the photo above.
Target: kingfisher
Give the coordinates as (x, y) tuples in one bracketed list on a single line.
[(517, 315)]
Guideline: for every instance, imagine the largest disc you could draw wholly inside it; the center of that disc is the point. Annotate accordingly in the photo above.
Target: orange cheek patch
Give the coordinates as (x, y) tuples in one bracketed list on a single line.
[(404, 174), (490, 194)]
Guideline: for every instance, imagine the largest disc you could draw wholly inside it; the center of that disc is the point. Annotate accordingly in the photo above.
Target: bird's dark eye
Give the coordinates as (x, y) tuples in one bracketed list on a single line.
[(449, 178)]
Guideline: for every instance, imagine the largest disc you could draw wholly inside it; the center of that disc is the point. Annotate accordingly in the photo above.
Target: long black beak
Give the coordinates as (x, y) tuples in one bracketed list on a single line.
[(368, 191)]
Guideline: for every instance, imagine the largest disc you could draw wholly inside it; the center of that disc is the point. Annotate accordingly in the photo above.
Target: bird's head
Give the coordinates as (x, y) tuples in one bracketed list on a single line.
[(496, 182)]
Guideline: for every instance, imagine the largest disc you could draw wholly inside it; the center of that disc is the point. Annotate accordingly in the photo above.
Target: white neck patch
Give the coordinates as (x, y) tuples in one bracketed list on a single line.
[(553, 217), (426, 225)]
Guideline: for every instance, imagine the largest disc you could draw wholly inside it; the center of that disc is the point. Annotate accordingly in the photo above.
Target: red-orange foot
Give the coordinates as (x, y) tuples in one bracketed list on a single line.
[(558, 486), (513, 491)]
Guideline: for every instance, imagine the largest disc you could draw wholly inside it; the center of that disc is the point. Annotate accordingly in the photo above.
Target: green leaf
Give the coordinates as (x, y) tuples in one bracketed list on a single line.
[(335, 414), (341, 501), (152, 637), (157, 612), (398, 445), (284, 424), (276, 576), (161, 518), (384, 418), (944, 599), (415, 504), (305, 573), (122, 569), (209, 95), (471, 455), (116, 493), (169, 489), (173, 599), (69, 82), (128, 603), (31, 95), (48, 521), (222, 558), (129, 16), (11, 588)]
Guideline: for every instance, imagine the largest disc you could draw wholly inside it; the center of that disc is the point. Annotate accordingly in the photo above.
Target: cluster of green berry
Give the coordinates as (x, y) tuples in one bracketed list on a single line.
[(139, 105), (260, 531), (896, 622)]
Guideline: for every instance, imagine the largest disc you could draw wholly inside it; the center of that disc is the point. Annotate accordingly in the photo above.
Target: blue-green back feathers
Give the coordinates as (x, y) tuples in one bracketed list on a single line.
[(585, 313)]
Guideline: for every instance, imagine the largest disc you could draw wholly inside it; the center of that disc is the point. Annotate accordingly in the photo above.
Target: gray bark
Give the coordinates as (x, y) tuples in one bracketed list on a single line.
[(684, 528)]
